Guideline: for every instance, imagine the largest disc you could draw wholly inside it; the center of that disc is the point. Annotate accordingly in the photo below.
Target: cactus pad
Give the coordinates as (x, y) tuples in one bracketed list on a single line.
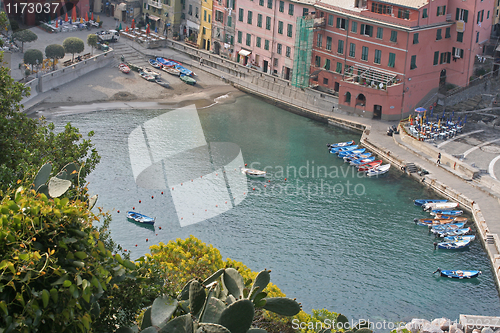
[(342, 319), (71, 170), (92, 201), (233, 281), (213, 310), (196, 297), (364, 330), (182, 324), (213, 277), (238, 316), (43, 189), (58, 187), (260, 283), (212, 328), (184, 295), (43, 175), (163, 308), (282, 305)]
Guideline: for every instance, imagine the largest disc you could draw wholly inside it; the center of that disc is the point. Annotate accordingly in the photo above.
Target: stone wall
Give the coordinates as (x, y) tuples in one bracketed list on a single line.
[(483, 87)]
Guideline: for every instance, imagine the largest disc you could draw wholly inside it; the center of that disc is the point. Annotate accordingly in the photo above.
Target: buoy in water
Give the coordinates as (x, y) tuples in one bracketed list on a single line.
[(253, 189), (139, 201), (152, 197), (147, 240), (161, 192), (133, 208), (245, 164), (118, 211)]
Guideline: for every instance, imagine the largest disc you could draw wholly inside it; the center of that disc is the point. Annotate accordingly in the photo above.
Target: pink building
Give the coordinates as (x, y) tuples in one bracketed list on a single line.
[(386, 58), (265, 34), (223, 27)]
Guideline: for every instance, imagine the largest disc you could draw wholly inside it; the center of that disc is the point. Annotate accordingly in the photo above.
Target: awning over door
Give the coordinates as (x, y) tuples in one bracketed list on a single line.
[(154, 18), (244, 53)]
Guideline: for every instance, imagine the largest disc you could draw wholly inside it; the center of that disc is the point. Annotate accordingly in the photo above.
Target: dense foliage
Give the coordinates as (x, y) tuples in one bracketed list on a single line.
[(54, 264), (25, 36), (33, 57), (92, 41), (28, 143), (54, 51), (73, 45)]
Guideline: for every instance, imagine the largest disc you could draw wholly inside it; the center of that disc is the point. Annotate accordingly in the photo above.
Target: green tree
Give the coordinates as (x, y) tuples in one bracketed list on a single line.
[(26, 143), (54, 263), (4, 22), (54, 51), (33, 57), (73, 45), (92, 41), (25, 36)]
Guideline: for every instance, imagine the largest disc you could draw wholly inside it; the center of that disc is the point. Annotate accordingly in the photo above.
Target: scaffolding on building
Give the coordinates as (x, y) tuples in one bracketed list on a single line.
[(303, 51)]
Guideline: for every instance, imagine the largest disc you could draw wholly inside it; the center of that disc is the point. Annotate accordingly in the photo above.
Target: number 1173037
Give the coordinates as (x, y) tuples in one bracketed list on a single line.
[(31, 7)]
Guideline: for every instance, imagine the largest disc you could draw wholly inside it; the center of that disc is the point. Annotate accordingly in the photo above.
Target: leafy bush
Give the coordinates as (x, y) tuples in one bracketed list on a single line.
[(54, 264)]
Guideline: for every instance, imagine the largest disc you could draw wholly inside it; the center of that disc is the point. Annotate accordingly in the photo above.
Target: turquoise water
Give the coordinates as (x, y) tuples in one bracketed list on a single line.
[(353, 249)]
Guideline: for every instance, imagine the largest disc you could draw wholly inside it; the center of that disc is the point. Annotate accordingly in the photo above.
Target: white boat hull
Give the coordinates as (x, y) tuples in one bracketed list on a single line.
[(253, 172)]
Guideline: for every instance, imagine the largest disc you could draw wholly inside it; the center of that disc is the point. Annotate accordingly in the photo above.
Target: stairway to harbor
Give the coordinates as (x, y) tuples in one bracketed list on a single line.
[(130, 54), (411, 167)]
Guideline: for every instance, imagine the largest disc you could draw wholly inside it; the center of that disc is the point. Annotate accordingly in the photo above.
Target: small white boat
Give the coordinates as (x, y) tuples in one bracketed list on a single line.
[(439, 205), (380, 170), (253, 172), (151, 72), (172, 71)]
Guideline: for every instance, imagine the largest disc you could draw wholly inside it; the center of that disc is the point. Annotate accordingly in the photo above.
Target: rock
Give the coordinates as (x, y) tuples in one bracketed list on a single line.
[(416, 324), (476, 330), (456, 328), (486, 330), (429, 328), (442, 323)]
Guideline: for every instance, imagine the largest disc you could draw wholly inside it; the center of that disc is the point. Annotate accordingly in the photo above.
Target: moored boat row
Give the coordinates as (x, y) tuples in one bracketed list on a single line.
[(362, 159), (447, 223)]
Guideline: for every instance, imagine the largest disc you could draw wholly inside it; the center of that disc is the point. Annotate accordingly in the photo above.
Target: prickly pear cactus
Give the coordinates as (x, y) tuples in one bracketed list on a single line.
[(205, 307)]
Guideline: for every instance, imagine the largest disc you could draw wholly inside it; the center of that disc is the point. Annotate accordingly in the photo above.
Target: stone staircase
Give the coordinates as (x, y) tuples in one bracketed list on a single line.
[(130, 54), (411, 167)]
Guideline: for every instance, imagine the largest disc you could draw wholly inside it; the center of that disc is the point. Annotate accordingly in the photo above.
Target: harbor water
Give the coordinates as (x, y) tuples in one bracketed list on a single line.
[(333, 238)]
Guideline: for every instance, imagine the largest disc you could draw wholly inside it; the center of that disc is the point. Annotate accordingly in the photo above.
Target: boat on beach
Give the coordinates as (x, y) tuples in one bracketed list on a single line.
[(151, 72), (154, 63), (166, 63), (140, 218), (253, 172), (124, 68), (146, 76), (162, 82), (171, 70), (377, 171), (187, 79), (184, 70), (340, 144), (458, 274)]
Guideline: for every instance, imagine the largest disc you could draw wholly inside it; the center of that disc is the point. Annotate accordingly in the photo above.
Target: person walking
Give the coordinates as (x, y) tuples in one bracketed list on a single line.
[(439, 158)]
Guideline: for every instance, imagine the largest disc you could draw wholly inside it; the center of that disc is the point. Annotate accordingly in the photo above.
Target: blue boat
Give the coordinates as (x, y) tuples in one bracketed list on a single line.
[(459, 238), (184, 70), (438, 228), (343, 154), (360, 161), (420, 202), (447, 212), (155, 63), (458, 274), (463, 244), (454, 232), (165, 62), (339, 149), (340, 144), (433, 222), (140, 218), (356, 156)]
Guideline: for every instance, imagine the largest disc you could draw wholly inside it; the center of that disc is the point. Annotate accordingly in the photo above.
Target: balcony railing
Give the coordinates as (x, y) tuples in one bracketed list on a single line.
[(319, 22), (156, 4)]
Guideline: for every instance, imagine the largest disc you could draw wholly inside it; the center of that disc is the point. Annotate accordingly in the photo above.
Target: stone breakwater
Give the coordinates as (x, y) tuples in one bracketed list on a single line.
[(466, 324)]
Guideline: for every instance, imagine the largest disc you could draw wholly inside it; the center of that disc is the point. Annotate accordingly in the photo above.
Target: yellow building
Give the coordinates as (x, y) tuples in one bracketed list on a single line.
[(205, 35)]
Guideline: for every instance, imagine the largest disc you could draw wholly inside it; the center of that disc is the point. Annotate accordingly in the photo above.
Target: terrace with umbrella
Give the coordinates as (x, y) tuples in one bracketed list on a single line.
[(144, 36), (423, 127)]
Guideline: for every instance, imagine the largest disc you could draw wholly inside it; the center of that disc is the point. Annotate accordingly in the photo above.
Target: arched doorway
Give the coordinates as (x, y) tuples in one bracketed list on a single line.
[(442, 77), (347, 99), (216, 47), (361, 100)]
